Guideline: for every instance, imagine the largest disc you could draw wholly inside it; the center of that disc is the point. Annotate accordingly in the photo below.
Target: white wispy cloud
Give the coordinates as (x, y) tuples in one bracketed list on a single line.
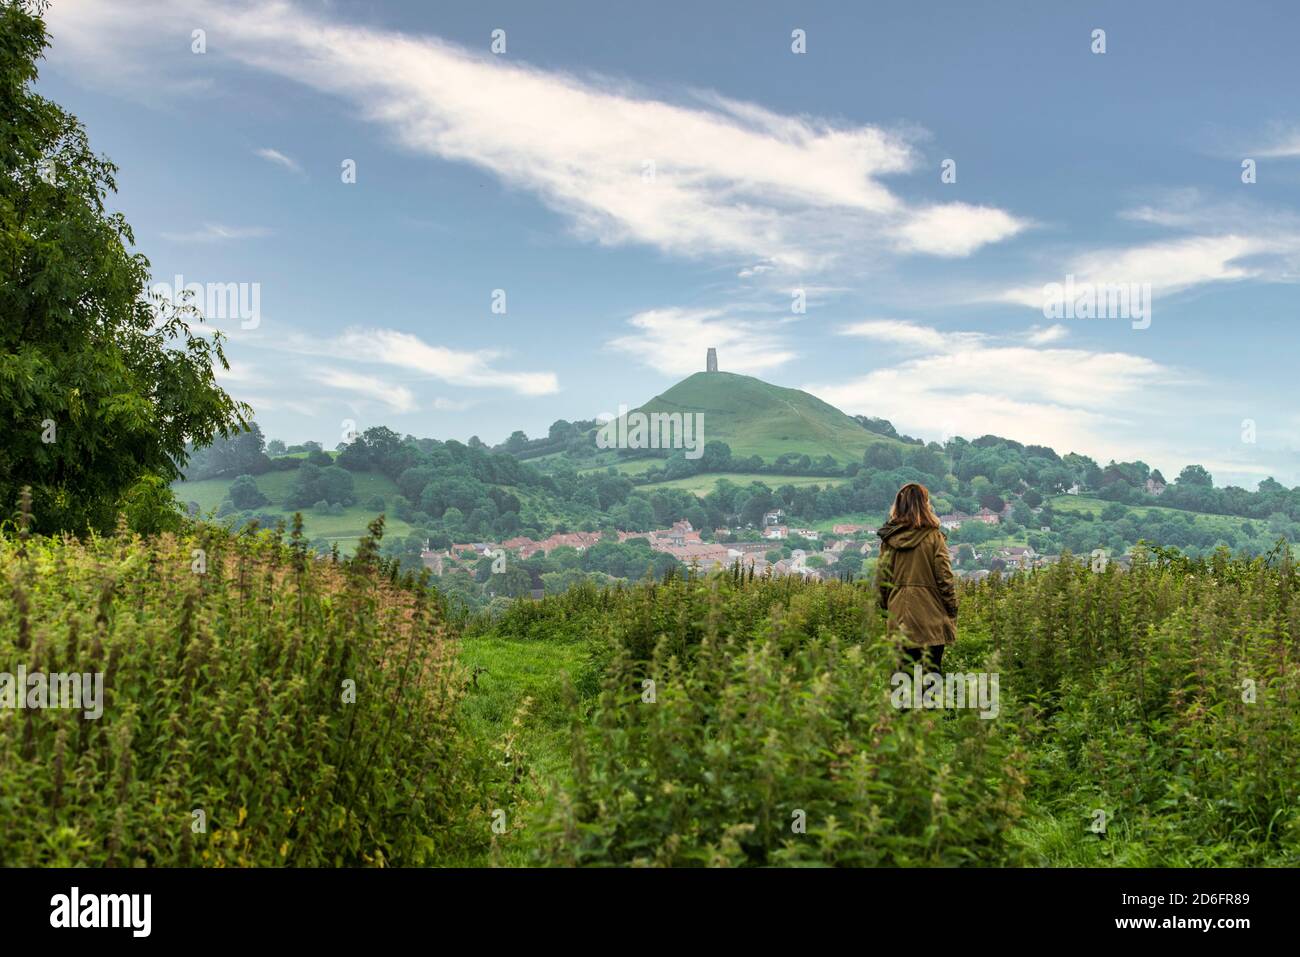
[(441, 404), (280, 403), (402, 350), (900, 332), (1284, 143), (1169, 266), (240, 373), (217, 233), (699, 176), (972, 384), (1043, 335), (278, 158), (956, 229), (675, 341), (398, 398)]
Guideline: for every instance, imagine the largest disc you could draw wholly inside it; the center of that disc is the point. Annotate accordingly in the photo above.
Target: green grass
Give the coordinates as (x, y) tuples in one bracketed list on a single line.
[(1084, 504), (634, 467), (344, 529), (512, 670), (505, 676), (702, 485), (332, 453)]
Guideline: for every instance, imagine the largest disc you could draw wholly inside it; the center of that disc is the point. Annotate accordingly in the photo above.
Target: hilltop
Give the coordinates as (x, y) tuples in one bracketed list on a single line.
[(757, 418), (762, 425)]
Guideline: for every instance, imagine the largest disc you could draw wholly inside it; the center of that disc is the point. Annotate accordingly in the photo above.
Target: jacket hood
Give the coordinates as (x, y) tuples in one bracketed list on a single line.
[(899, 536)]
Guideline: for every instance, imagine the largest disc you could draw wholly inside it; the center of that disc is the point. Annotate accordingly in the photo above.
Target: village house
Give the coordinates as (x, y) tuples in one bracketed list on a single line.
[(680, 534), (705, 557), (775, 517), (776, 532), (1155, 486), (1022, 555), (793, 566), (852, 529), (433, 560), (527, 547), (953, 520)]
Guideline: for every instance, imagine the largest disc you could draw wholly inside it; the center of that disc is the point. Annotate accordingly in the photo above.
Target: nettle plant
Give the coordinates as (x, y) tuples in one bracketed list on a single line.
[(768, 737), (1148, 717), (262, 706)]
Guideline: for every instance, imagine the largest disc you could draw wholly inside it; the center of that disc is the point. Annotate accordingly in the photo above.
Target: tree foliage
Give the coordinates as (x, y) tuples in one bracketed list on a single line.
[(100, 387)]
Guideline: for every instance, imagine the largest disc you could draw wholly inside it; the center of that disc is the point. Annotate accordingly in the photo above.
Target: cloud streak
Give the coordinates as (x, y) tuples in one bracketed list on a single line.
[(1169, 266), (410, 354), (395, 397), (700, 177), (279, 159), (217, 233)]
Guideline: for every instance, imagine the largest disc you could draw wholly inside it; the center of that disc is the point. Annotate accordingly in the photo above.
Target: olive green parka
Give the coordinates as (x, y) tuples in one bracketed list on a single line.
[(916, 585)]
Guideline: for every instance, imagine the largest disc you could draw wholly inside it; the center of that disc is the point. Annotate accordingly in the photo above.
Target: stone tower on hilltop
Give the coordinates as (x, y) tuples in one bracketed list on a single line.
[(711, 361)]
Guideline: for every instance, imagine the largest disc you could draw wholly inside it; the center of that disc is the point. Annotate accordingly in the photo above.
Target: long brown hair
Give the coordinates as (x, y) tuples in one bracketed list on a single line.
[(912, 507)]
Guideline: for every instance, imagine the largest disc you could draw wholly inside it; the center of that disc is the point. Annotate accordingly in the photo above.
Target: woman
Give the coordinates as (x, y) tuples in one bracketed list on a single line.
[(915, 577)]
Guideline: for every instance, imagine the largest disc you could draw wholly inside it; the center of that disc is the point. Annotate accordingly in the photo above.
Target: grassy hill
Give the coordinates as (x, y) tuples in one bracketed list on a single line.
[(758, 418), (344, 529), (704, 483), (1088, 504)]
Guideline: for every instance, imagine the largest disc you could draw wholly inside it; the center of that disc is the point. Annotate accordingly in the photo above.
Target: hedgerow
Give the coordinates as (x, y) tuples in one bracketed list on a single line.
[(230, 735)]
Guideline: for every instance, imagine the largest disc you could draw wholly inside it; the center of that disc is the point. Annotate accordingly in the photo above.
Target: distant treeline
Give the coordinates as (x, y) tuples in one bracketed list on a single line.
[(457, 492)]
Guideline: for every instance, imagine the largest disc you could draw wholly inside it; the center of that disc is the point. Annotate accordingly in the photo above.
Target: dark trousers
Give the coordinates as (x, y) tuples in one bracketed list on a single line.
[(930, 657)]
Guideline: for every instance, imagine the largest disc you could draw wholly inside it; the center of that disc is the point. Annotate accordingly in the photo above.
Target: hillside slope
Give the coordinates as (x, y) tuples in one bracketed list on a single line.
[(757, 418)]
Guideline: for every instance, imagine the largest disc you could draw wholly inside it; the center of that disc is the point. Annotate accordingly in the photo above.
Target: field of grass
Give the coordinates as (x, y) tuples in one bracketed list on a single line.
[(702, 485), (1084, 504), (345, 529), (519, 692), (623, 467), (332, 453)]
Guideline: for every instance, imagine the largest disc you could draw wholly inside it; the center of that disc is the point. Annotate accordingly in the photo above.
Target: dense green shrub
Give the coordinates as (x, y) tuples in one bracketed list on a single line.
[(1167, 696), (768, 737), (1164, 697), (225, 664)]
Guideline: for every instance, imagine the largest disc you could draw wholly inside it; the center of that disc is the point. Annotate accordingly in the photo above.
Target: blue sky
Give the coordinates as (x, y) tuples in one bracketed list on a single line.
[(643, 181)]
